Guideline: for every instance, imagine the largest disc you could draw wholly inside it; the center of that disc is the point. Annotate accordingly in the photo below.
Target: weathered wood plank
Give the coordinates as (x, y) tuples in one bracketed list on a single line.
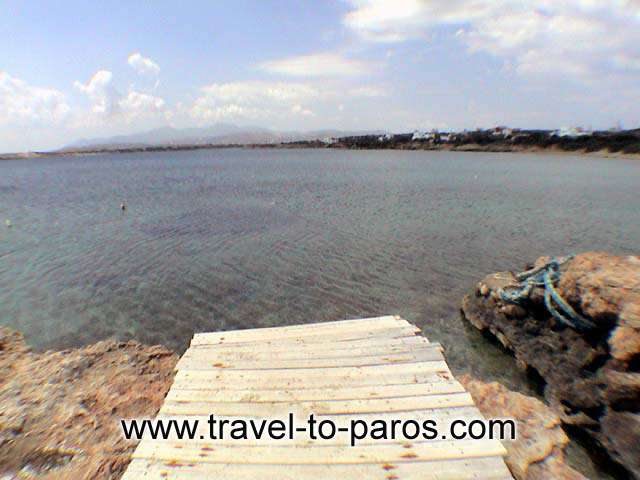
[(278, 333), (314, 454), (437, 414), (442, 416), (221, 374), (195, 379), (216, 363), (290, 395), (216, 353), (299, 338), (318, 406), (485, 468), (186, 382), (315, 347)]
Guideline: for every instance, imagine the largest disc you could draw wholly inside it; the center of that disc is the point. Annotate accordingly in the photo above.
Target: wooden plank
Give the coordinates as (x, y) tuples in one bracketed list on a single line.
[(372, 344), (222, 375), (438, 414), (443, 416), (485, 468), (277, 333), (316, 378), (282, 333), (307, 353), (216, 363), (319, 407), (187, 382), (298, 338), (290, 395), (314, 454)]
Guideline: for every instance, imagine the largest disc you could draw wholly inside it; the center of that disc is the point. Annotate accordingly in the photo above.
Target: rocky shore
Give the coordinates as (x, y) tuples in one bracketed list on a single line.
[(538, 453), (370, 142), (60, 411), (591, 379)]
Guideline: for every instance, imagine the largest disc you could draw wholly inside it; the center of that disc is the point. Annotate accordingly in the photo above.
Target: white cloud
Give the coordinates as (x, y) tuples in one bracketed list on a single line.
[(101, 92), (252, 100), (107, 103), (257, 91), (317, 65), (20, 102), (388, 21), (266, 101), (137, 104), (279, 102), (143, 65), (572, 37)]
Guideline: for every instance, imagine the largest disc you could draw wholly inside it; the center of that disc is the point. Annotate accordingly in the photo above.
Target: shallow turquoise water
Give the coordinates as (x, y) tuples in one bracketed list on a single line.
[(226, 239)]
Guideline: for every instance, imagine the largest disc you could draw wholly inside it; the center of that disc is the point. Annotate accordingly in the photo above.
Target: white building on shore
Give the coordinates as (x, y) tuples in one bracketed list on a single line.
[(421, 135), (571, 132)]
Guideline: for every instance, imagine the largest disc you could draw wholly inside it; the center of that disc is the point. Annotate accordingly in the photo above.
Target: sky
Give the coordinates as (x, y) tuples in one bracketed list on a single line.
[(77, 69)]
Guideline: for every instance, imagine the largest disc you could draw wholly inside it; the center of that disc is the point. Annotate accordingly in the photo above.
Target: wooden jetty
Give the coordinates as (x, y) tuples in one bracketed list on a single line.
[(374, 368)]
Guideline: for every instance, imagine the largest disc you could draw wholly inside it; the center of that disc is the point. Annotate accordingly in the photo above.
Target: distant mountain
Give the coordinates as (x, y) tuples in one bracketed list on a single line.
[(218, 134)]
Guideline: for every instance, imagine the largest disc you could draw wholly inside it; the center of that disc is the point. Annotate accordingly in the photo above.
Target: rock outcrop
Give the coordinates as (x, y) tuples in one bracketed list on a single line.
[(592, 379), (60, 411), (538, 453)]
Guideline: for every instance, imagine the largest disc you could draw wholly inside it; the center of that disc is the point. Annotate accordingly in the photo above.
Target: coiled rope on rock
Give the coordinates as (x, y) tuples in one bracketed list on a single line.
[(546, 276)]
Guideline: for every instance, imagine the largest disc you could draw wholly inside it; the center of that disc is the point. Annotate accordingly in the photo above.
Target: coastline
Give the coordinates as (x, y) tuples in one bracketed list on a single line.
[(61, 411), (416, 146)]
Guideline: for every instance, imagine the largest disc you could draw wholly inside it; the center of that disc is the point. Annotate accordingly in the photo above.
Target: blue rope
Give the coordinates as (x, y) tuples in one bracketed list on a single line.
[(547, 276)]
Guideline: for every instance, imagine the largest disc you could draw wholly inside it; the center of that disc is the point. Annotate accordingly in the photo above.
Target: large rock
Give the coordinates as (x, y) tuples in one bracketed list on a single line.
[(60, 411), (538, 453), (592, 379)]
